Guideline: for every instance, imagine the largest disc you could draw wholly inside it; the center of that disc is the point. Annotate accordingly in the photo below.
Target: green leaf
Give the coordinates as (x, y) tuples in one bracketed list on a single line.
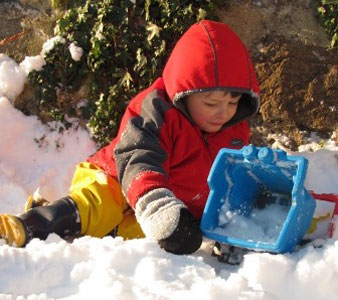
[(153, 30), (334, 41)]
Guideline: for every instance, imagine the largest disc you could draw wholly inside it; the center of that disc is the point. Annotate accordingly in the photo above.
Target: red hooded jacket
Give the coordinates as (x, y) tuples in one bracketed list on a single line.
[(158, 145)]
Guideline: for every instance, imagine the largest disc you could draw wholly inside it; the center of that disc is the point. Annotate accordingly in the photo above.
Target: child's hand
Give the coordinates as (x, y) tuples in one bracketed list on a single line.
[(166, 219)]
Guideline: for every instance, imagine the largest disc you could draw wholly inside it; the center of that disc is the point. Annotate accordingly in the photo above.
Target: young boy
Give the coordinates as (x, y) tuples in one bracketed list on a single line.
[(152, 178)]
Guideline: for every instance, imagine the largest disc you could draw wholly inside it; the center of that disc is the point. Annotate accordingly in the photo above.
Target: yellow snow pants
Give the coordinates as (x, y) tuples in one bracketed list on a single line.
[(101, 204)]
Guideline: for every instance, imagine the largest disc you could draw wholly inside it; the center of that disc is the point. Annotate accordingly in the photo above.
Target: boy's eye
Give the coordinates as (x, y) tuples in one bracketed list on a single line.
[(210, 104)]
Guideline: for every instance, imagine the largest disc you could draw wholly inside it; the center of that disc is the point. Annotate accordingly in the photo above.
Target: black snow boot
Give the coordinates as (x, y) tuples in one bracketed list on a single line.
[(60, 217)]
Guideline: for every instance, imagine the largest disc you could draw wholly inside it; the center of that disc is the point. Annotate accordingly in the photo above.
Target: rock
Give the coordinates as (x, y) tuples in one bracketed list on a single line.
[(293, 19)]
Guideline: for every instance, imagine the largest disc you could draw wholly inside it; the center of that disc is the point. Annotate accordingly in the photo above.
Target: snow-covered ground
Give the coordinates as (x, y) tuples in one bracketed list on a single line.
[(32, 156)]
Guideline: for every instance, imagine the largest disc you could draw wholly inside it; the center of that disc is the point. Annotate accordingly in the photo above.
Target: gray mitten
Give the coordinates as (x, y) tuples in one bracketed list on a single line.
[(166, 219)]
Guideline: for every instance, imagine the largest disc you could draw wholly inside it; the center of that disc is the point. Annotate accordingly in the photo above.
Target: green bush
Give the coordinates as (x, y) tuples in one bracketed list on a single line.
[(125, 46), (327, 13)]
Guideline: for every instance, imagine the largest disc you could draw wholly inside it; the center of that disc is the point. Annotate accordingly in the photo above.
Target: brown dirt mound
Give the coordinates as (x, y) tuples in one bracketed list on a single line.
[(299, 86)]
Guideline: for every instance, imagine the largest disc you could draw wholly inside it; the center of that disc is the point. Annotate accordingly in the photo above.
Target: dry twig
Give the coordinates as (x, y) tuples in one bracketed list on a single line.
[(13, 37)]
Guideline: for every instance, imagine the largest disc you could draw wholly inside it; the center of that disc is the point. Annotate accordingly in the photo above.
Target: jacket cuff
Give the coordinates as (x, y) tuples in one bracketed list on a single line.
[(144, 183)]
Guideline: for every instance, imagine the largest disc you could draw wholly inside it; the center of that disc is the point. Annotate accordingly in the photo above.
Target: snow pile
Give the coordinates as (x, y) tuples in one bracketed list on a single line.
[(12, 77), (31, 63), (262, 225), (33, 155), (322, 176), (307, 274)]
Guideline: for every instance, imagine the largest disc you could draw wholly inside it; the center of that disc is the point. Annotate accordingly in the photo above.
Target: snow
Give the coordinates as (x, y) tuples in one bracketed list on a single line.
[(31, 63), (75, 52), (12, 77), (34, 155), (262, 225), (49, 44)]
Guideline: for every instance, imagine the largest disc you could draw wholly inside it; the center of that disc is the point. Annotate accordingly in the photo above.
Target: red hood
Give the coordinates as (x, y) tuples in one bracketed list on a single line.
[(210, 56)]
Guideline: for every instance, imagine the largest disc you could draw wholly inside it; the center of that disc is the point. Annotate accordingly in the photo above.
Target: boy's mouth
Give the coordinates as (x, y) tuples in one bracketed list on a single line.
[(217, 124)]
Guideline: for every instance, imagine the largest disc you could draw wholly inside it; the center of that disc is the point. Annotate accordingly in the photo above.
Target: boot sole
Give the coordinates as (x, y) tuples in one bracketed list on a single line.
[(13, 230)]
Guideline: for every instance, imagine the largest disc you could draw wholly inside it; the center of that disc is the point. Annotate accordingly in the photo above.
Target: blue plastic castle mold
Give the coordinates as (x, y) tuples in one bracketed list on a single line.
[(243, 183)]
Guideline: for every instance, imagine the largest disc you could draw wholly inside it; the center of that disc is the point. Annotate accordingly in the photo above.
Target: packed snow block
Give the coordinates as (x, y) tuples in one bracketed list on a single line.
[(257, 200)]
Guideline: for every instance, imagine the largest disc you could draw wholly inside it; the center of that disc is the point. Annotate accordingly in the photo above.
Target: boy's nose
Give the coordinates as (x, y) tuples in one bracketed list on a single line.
[(223, 113)]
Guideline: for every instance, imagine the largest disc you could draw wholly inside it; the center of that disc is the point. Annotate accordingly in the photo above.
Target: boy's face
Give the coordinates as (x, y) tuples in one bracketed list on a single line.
[(211, 110)]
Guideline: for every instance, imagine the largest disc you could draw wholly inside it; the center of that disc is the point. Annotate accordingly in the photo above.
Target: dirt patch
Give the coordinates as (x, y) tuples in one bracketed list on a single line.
[(296, 71), (299, 87), (34, 17)]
